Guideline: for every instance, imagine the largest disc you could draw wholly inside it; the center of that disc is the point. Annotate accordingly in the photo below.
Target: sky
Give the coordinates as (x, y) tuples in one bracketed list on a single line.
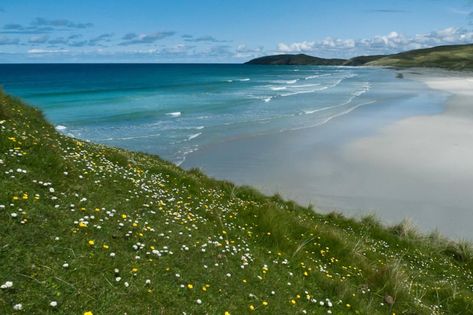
[(221, 31)]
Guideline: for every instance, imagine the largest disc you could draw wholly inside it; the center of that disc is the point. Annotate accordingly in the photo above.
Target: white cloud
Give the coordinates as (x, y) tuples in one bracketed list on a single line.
[(382, 44), (39, 39), (46, 51), (300, 47)]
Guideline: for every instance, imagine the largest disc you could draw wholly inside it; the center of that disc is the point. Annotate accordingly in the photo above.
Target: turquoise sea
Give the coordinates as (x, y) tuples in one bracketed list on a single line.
[(176, 109)]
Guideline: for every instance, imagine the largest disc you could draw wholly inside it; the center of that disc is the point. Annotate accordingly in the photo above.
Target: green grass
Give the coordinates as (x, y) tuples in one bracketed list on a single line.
[(454, 57), (177, 237)]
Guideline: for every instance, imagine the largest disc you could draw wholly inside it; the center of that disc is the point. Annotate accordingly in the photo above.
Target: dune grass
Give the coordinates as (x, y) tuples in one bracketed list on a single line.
[(88, 229)]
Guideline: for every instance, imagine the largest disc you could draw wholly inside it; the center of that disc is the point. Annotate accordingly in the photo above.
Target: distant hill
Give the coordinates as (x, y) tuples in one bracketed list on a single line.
[(362, 60), (453, 57), (299, 59)]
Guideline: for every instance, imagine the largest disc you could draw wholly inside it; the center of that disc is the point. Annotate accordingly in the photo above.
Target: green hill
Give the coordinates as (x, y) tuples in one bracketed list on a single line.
[(454, 57), (299, 59), (88, 229)]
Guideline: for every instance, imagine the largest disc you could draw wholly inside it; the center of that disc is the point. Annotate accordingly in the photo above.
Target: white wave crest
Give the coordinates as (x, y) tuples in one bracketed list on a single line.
[(174, 114), (278, 88), (195, 135)]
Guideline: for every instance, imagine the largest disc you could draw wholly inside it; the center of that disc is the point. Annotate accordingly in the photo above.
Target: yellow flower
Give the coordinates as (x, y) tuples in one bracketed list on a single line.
[(293, 302), (190, 286), (105, 246), (83, 225), (91, 242), (134, 270), (348, 305), (123, 216), (227, 313), (252, 308), (88, 313), (265, 303)]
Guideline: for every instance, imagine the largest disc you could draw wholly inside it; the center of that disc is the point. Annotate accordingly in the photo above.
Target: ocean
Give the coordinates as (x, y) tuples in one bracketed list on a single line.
[(174, 110)]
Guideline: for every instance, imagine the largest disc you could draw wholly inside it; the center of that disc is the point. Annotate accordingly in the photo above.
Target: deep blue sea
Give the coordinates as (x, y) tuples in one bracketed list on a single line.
[(175, 109)]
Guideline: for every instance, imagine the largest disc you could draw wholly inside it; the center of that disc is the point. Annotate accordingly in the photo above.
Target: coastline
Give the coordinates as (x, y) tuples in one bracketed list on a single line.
[(434, 153), (358, 170)]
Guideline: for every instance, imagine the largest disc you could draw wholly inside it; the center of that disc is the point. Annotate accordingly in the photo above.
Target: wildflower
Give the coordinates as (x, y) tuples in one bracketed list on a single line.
[(91, 242), (265, 303), (190, 286), (148, 281), (112, 254), (198, 301), (51, 190), (134, 270), (18, 307), (252, 308), (53, 304), (126, 284), (88, 313), (105, 246), (226, 313), (13, 215), (293, 302), (7, 285), (65, 265)]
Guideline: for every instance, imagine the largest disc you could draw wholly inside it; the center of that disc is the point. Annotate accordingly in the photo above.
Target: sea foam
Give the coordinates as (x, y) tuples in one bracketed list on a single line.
[(174, 114)]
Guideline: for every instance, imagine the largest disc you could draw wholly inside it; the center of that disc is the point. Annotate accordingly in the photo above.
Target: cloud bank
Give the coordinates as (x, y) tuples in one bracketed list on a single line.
[(133, 38), (41, 25), (384, 44)]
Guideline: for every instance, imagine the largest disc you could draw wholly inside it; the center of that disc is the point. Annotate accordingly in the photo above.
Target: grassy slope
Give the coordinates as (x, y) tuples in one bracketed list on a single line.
[(193, 238), (456, 57)]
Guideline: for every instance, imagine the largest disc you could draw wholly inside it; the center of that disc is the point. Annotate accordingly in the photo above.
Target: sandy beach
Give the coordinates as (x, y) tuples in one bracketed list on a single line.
[(425, 161), (418, 167)]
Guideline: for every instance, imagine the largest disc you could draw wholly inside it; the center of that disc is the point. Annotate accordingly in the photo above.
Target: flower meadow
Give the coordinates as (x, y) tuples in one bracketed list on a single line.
[(88, 229)]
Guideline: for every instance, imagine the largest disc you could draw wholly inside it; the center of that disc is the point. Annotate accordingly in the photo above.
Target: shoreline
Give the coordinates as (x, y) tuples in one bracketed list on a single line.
[(435, 154), (346, 168)]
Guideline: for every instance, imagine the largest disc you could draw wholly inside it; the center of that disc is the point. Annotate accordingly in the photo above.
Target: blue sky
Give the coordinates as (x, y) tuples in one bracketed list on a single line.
[(223, 31)]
